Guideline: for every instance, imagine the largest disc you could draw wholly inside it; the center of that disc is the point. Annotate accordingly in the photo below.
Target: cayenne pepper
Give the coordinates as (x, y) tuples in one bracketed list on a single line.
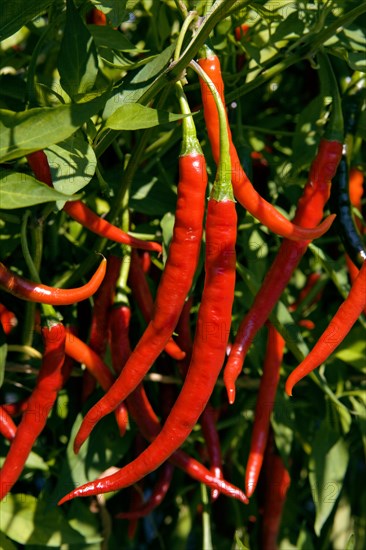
[(36, 292), (308, 214), (342, 322), (142, 294), (213, 324), (176, 279), (39, 404), (7, 426), (82, 214), (243, 189)]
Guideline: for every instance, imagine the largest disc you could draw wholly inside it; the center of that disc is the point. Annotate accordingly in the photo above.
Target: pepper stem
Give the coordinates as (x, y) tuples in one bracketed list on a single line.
[(190, 143), (222, 189), (335, 128)]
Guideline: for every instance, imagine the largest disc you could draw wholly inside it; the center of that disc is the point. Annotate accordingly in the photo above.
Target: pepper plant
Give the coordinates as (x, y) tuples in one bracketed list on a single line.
[(121, 290)]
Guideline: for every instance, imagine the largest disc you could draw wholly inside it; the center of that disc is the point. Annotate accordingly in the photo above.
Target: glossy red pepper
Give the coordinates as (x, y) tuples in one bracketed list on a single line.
[(39, 404), (213, 325), (82, 214), (309, 212), (81, 352), (175, 282), (277, 483), (8, 319), (334, 334), (7, 427), (142, 295), (143, 414), (103, 300), (243, 189), (264, 407), (36, 292)]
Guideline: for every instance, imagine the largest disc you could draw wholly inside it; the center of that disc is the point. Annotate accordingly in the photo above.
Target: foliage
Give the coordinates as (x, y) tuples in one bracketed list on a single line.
[(99, 100)]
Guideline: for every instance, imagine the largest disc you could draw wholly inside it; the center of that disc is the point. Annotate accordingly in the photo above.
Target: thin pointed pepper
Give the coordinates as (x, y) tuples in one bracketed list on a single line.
[(143, 414), (264, 407), (244, 191), (213, 326), (82, 214), (142, 294), (7, 427), (277, 484), (207, 418), (36, 292), (81, 352), (334, 334), (98, 338), (309, 212), (176, 279), (39, 404)]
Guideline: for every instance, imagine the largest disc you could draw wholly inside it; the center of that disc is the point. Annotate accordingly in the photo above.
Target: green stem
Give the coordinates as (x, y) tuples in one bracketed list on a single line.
[(182, 8), (207, 537), (222, 188), (190, 143), (190, 17)]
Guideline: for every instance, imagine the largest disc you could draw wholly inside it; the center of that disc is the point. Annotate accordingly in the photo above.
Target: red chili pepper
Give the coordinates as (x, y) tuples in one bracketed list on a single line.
[(264, 407), (244, 191), (277, 484), (157, 496), (40, 403), (96, 17), (35, 292), (99, 324), (142, 294), (176, 279), (207, 419), (81, 352), (213, 325), (82, 214), (7, 319), (7, 427), (334, 334), (309, 212), (145, 417)]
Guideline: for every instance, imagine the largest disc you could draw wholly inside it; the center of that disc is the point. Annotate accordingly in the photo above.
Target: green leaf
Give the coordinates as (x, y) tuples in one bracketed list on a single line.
[(78, 59), (20, 190), (72, 162), (133, 116), (28, 520), (135, 85), (327, 467), (5, 543), (110, 38), (353, 349), (357, 61), (18, 13), (152, 197), (28, 131)]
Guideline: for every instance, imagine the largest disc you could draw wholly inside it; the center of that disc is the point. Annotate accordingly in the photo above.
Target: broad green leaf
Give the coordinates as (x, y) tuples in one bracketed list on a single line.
[(353, 349), (72, 162), (110, 38), (5, 543), (28, 131), (28, 520), (357, 61), (147, 197), (78, 60), (306, 134), (133, 116), (327, 467), (135, 85), (20, 190), (359, 405), (18, 13), (103, 449)]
